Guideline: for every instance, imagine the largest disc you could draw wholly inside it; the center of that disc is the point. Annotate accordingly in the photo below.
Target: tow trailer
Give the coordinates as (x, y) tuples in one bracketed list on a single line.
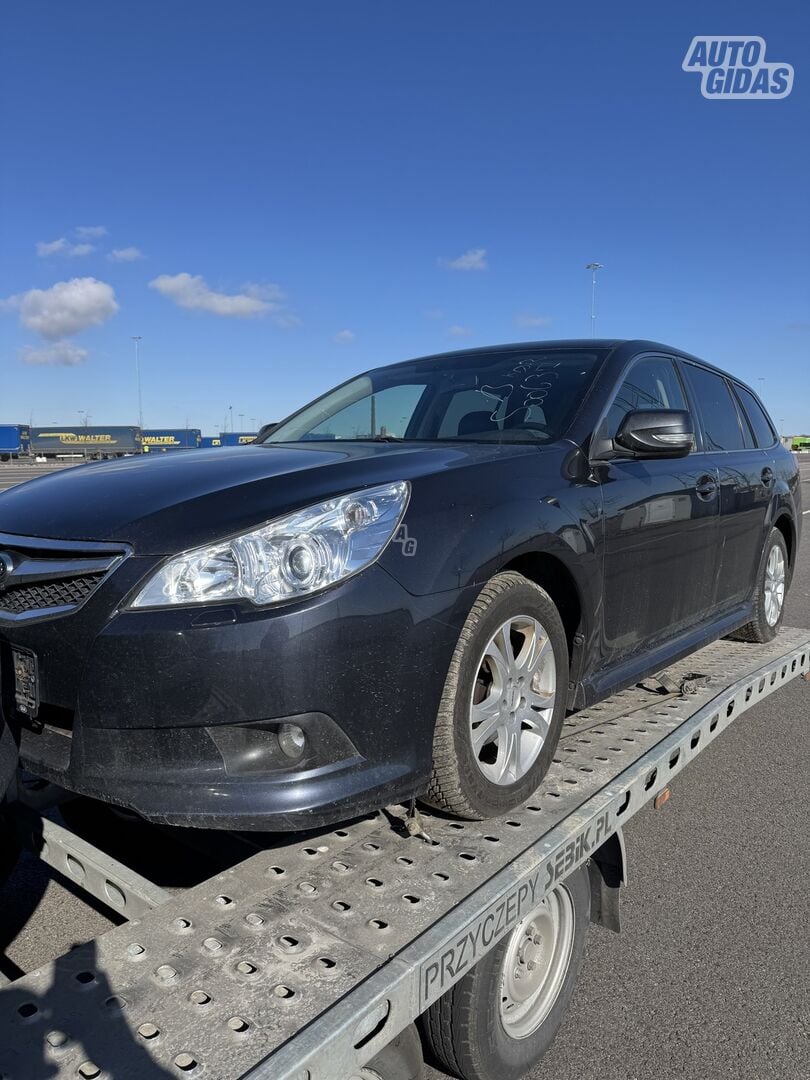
[(312, 960)]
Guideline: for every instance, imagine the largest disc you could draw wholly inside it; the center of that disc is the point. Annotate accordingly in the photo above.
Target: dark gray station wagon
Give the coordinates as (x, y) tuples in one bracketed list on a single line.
[(398, 591)]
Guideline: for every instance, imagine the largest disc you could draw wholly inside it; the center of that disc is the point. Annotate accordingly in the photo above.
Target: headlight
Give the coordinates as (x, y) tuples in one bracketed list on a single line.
[(293, 556)]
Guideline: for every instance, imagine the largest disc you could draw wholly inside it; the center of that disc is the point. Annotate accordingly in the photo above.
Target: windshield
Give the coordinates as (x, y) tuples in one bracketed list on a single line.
[(514, 395)]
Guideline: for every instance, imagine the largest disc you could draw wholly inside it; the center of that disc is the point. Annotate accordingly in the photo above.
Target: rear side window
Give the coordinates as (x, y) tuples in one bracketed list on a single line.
[(652, 383), (721, 421), (757, 417)]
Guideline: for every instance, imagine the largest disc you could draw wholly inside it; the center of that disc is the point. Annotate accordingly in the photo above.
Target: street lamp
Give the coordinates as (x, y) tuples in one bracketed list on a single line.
[(138, 339), (593, 267)]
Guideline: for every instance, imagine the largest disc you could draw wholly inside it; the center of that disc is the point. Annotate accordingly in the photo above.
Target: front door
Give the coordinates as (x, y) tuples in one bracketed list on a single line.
[(660, 526)]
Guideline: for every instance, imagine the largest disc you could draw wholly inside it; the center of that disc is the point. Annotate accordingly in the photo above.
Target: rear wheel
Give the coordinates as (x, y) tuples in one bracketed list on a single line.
[(503, 703), (500, 1019), (771, 587)]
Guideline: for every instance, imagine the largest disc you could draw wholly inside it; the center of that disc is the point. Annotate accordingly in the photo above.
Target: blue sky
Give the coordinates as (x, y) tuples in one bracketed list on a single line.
[(298, 183)]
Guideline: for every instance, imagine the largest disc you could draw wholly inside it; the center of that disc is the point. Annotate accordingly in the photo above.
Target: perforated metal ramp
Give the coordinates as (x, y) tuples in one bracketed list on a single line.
[(305, 961)]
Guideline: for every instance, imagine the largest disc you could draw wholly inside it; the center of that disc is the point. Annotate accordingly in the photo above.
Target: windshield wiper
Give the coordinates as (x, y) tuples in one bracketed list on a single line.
[(384, 438)]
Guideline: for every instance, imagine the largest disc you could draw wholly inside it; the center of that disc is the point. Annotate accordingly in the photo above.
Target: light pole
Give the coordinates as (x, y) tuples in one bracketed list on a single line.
[(241, 421), (138, 339), (230, 410), (593, 267)]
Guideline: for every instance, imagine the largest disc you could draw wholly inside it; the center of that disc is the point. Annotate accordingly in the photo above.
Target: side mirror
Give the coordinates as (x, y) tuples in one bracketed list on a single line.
[(657, 433)]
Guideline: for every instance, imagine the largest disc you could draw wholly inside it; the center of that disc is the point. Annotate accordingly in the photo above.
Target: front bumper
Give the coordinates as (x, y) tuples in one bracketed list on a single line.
[(174, 713)]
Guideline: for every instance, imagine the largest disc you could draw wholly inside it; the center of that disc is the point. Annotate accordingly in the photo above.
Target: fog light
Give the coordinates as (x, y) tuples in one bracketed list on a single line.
[(292, 740)]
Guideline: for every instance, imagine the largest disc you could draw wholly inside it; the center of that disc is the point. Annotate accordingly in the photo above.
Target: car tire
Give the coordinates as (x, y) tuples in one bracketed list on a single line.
[(479, 1029), (473, 778), (769, 598)]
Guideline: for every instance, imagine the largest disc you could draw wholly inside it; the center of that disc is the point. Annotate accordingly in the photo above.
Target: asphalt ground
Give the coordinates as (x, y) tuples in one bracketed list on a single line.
[(17, 472), (710, 977)]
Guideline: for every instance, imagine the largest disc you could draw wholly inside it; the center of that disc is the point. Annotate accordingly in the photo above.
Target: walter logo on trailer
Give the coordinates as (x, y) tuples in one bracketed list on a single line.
[(736, 68)]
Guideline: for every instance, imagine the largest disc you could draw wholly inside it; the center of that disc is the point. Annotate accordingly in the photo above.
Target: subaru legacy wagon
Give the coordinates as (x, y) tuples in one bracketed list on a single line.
[(397, 592)]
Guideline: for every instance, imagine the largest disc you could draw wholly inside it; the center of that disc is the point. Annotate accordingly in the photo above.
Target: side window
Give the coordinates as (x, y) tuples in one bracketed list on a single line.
[(758, 418), (721, 422), (387, 412), (651, 384)]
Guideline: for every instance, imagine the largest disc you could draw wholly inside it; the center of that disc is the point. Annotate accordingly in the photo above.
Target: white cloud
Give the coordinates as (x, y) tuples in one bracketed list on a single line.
[(344, 337), (127, 254), (66, 308), (60, 354), (532, 320), (474, 259), (54, 247), (45, 248), (90, 232), (459, 331), (193, 293)]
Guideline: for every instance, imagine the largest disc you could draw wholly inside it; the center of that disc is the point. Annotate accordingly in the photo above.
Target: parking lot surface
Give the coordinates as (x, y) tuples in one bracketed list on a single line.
[(17, 472), (709, 978)]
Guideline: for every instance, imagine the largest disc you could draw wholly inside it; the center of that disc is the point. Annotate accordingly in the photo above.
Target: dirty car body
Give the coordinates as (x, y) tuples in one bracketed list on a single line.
[(508, 460)]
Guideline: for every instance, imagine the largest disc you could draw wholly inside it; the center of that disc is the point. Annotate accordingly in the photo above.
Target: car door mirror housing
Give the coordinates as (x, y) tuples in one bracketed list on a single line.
[(656, 433)]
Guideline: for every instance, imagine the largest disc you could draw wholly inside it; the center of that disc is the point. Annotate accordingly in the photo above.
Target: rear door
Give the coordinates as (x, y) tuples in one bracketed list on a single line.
[(660, 518), (746, 477)]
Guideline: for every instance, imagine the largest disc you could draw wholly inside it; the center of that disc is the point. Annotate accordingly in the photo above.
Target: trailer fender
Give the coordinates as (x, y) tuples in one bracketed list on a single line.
[(608, 872)]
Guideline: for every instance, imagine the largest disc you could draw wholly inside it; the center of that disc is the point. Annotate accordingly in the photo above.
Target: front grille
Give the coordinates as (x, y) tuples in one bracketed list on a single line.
[(68, 592), (40, 577)]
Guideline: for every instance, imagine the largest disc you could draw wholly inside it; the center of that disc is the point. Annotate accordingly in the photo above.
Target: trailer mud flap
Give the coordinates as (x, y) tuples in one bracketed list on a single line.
[(608, 872)]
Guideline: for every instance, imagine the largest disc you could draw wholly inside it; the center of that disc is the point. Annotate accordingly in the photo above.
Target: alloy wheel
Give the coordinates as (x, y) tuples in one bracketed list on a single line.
[(513, 700), (774, 585)]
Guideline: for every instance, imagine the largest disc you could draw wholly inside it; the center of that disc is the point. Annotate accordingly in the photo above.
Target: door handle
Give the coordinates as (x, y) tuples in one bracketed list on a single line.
[(706, 488), (767, 476)]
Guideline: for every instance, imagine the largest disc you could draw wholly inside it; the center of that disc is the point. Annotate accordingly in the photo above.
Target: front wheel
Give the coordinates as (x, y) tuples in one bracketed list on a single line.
[(771, 587), (503, 703), (500, 1019)]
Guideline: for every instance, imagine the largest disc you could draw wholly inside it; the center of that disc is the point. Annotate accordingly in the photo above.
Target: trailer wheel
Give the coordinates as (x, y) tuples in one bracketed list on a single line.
[(500, 1019), (400, 1060)]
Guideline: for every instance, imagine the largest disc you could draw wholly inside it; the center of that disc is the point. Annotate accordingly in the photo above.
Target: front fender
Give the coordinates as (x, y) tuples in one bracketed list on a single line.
[(459, 533)]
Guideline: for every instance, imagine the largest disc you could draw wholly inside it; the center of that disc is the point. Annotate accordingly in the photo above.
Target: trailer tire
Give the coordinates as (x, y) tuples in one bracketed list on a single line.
[(512, 644), (400, 1060), (478, 1030)]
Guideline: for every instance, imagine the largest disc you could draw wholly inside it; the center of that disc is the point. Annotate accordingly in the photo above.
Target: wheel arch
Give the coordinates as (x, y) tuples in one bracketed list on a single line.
[(785, 524), (551, 573)]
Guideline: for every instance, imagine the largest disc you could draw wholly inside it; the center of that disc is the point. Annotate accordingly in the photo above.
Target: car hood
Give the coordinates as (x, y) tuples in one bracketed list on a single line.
[(183, 499)]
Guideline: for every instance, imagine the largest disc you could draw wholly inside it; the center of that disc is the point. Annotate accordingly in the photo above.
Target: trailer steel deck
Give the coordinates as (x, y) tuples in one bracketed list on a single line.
[(302, 963)]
